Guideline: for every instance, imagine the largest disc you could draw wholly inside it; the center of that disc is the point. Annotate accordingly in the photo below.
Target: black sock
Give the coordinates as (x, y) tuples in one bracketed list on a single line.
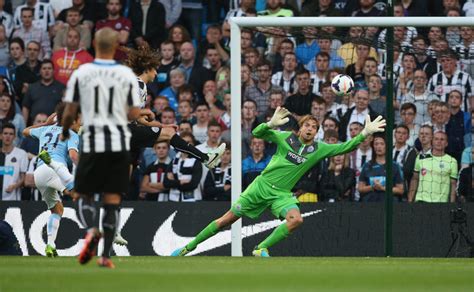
[(109, 223), (87, 212), (183, 146)]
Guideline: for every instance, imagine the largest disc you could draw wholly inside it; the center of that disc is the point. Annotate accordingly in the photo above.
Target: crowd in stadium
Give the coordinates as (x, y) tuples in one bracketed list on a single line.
[(43, 42)]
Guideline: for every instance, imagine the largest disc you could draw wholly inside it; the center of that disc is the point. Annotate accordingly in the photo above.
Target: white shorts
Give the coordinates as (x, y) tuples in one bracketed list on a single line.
[(49, 184)]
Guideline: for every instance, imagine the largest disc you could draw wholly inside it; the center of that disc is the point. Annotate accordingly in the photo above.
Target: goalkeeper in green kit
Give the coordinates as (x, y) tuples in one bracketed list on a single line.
[(295, 155)]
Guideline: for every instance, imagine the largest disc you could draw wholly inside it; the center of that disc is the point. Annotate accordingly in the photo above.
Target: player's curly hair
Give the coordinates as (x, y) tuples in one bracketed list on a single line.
[(142, 59)]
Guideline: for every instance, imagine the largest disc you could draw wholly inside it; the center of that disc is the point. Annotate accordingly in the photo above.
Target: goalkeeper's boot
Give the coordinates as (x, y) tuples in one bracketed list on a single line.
[(120, 240), (44, 155), (50, 251), (215, 156), (260, 252), (180, 252), (105, 263), (90, 246)]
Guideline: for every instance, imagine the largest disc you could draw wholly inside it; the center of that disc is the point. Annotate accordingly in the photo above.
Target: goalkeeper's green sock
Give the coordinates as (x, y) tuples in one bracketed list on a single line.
[(207, 232), (280, 233)]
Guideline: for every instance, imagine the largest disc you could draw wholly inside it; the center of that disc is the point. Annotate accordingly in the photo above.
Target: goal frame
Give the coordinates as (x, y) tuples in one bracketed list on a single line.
[(236, 23)]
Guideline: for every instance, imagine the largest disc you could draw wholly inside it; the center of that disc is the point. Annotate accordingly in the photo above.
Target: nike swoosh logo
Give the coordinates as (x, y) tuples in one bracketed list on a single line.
[(166, 240)]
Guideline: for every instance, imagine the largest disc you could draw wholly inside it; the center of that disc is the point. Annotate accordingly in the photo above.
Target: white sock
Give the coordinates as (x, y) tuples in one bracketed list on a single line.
[(66, 177), (52, 228)]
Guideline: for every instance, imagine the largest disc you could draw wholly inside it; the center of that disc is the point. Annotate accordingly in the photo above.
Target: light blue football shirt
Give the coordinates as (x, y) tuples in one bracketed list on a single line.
[(50, 139)]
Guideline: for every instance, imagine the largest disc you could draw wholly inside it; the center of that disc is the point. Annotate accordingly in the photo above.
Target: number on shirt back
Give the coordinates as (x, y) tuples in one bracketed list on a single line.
[(50, 138), (96, 99)]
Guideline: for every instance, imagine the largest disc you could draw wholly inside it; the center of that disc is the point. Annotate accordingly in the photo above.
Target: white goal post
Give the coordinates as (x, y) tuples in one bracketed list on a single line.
[(236, 23)]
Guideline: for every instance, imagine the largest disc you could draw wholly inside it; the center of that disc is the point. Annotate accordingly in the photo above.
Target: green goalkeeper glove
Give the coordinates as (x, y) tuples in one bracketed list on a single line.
[(373, 127), (280, 117)]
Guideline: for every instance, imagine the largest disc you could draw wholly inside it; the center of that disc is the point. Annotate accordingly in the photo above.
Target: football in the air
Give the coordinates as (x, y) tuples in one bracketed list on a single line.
[(342, 84)]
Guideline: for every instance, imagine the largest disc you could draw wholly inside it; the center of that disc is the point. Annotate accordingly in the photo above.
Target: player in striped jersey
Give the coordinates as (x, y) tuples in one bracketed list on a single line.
[(146, 131)]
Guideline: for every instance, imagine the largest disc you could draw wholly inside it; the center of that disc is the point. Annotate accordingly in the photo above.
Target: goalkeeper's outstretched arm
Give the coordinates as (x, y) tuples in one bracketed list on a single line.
[(266, 130)]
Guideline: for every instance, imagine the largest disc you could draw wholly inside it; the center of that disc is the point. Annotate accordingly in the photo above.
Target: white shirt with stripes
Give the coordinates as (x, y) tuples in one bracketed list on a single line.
[(441, 86), (288, 85), (43, 16), (316, 84), (142, 92), (105, 91)]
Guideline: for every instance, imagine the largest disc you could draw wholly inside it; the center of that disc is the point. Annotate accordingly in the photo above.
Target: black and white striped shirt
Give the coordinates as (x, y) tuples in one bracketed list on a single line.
[(289, 86), (43, 16), (142, 92), (441, 86), (316, 84), (7, 20), (105, 91)]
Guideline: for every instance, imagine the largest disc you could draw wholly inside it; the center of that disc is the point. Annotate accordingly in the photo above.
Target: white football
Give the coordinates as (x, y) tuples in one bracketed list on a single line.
[(342, 84)]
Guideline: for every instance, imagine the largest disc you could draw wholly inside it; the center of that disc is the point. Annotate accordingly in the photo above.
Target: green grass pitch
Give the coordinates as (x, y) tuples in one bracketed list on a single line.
[(237, 274)]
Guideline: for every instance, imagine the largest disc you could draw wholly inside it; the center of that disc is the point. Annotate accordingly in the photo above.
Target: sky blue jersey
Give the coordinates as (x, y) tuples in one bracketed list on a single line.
[(49, 139)]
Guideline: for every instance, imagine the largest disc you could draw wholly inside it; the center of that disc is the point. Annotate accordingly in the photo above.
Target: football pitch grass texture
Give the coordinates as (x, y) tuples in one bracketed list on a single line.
[(237, 274)]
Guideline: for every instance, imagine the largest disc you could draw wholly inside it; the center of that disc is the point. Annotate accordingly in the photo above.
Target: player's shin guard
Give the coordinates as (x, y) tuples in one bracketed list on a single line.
[(280, 233), (109, 223), (87, 212), (207, 232), (183, 146), (52, 228), (66, 177)]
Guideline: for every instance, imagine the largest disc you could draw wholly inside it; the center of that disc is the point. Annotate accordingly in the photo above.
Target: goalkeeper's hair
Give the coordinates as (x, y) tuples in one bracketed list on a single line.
[(306, 118), (142, 60)]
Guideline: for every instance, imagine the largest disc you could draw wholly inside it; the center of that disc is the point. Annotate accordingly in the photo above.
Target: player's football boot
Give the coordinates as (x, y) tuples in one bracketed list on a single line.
[(105, 263), (50, 251), (120, 240), (261, 252), (180, 252), (90, 246), (44, 155), (215, 156)]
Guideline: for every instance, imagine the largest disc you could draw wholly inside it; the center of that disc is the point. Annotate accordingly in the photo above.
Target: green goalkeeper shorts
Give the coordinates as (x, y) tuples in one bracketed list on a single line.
[(261, 195)]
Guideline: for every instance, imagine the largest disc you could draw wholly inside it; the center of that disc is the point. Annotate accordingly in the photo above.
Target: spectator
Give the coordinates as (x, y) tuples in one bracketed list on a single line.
[(183, 176), (214, 39), (329, 123), (255, 162), (27, 32), (6, 19), (152, 183), (423, 60), (241, 10), (4, 54), (466, 49), (441, 116), (168, 116), (214, 60), (378, 101), (299, 104), (249, 122), (168, 62), (372, 177), (185, 127), (356, 114), (43, 18), (73, 19), (260, 91), (348, 51), (286, 78), (8, 115), (148, 23), (185, 92), (362, 52), (217, 186), (338, 183), (30, 144), (458, 126), (318, 111), (408, 113), (159, 104), (220, 115), (196, 75), (361, 79), (87, 11), (368, 9), (465, 186), (274, 9), (222, 81), (185, 112), (202, 122), (307, 50), (177, 79), (361, 155), (467, 157), (325, 42), (251, 58), (419, 96), (43, 95), (447, 80), (404, 82), (321, 75), (178, 35), (333, 109), (118, 23), (191, 17), (172, 11), (214, 133), (246, 79), (435, 176), (400, 147), (29, 71), (278, 49), (320, 8), (15, 164), (67, 60), (17, 56), (59, 5)]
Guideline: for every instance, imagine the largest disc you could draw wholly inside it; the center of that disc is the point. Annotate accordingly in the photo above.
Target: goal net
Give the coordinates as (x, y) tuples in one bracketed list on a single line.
[(418, 78)]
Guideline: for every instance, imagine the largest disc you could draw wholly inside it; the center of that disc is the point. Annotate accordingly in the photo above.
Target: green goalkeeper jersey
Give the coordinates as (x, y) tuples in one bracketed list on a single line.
[(293, 158)]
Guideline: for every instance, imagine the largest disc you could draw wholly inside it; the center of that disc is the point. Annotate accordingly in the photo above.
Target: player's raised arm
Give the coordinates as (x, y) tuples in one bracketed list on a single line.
[(371, 127), (265, 130), (50, 121)]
